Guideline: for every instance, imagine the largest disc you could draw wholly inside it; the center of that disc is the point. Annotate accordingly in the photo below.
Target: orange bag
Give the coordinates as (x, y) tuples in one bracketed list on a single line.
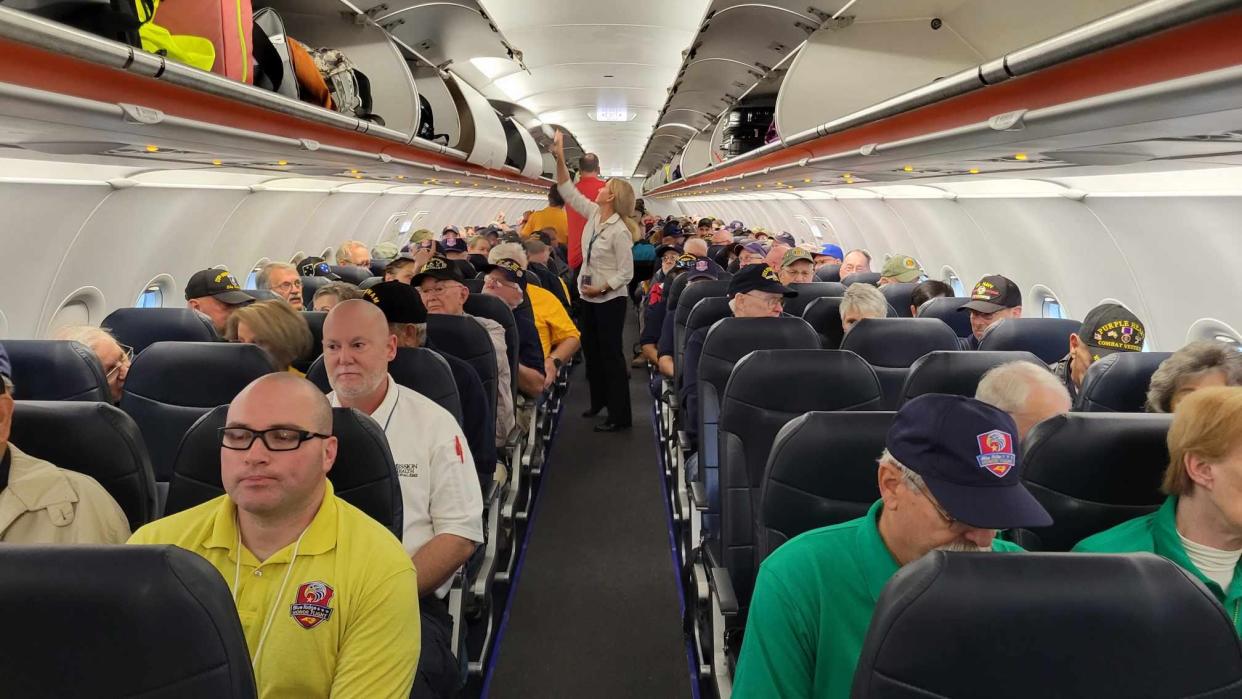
[(311, 85)]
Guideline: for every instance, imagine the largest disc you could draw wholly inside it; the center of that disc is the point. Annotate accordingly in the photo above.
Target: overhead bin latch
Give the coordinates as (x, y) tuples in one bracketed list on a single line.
[(308, 144), (135, 114), (1009, 121)]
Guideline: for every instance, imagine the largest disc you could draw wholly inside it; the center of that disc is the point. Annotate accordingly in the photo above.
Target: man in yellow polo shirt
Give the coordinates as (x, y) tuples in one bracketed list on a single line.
[(327, 597)]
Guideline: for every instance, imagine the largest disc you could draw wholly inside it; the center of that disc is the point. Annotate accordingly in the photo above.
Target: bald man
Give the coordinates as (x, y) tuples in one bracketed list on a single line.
[(440, 494), (348, 589)]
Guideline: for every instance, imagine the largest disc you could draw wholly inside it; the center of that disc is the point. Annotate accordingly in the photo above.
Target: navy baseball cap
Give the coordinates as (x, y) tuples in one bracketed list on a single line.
[(966, 451), (830, 250), (702, 268), (218, 284), (439, 267), (453, 243), (786, 238), (758, 278), (659, 253), (511, 270), (6, 367)]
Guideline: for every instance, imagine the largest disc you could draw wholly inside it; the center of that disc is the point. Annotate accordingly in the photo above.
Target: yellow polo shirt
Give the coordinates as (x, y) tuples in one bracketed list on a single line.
[(553, 217), (345, 619), (551, 320)]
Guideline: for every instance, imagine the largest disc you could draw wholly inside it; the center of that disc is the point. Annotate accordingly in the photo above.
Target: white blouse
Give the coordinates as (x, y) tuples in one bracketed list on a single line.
[(607, 249)]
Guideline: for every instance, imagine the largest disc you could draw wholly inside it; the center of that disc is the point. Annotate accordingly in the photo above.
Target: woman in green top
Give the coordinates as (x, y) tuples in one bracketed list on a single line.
[(1199, 527)]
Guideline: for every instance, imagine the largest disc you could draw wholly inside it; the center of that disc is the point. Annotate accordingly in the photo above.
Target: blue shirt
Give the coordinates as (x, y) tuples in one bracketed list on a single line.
[(530, 350)]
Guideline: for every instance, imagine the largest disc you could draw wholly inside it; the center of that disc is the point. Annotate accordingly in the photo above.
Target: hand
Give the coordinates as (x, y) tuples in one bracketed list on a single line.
[(423, 256), (558, 146), (593, 291), (549, 372)]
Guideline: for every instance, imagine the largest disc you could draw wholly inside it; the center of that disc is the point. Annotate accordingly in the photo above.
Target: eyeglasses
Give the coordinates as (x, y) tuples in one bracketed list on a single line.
[(437, 290), (492, 283), (275, 439), (127, 358), (914, 485), (288, 286), (770, 301)]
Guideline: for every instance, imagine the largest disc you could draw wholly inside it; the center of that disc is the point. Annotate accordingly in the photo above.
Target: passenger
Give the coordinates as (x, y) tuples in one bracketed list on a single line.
[(752, 253), (274, 326), (993, 299), (443, 291), (1108, 328), (298, 557), (509, 285), (353, 253), (477, 249), (114, 357), (786, 239), (552, 216), (776, 254), (539, 262), (607, 265), (926, 291), (797, 267), (282, 279), (949, 478), (558, 336), (455, 250), (829, 254), (1028, 392), (861, 301), (333, 293), (402, 269), (384, 252), (589, 185), (1197, 365), (900, 269), (697, 247), (664, 346), (1199, 527), (667, 256), (856, 261), (704, 228), (215, 294)]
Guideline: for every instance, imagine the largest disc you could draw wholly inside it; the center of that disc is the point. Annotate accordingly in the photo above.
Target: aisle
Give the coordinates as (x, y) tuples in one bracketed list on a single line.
[(596, 611)]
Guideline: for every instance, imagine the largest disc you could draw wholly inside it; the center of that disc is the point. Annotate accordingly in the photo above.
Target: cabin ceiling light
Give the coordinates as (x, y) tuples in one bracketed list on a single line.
[(153, 149), (1019, 156)]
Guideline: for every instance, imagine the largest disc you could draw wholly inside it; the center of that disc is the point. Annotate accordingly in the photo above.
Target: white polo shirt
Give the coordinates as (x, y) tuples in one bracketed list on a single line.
[(440, 491)]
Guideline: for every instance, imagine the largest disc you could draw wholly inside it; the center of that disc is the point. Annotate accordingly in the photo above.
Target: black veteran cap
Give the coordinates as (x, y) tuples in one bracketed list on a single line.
[(399, 302), (217, 283), (316, 267), (438, 267), (511, 269), (1110, 328), (993, 293), (702, 268), (758, 278)]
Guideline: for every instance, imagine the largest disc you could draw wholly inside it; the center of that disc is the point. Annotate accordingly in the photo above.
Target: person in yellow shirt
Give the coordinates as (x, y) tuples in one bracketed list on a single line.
[(558, 336), (327, 597), (553, 217)]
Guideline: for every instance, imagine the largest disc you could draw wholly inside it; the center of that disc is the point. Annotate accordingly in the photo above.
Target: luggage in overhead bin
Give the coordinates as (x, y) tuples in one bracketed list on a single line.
[(269, 30), (111, 19), (350, 90), (190, 49), (311, 86), (227, 24), (427, 122), (758, 117)]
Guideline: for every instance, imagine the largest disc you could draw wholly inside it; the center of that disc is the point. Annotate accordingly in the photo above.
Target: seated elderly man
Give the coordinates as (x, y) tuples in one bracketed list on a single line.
[(559, 338), (861, 301), (114, 357), (856, 261), (282, 279), (1108, 328), (949, 478), (797, 267), (346, 595), (1028, 392), (215, 294), (1199, 527), (900, 269), (353, 253), (993, 299), (1198, 365)]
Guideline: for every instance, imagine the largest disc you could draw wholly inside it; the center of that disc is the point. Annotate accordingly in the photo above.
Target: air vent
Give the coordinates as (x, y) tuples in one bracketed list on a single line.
[(777, 47), (1223, 137)]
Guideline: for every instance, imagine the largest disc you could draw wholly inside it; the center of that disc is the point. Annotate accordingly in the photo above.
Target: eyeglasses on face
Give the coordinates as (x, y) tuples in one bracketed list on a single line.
[(288, 286), (275, 439), (767, 300), (438, 290), (127, 358), (914, 485), (494, 283)]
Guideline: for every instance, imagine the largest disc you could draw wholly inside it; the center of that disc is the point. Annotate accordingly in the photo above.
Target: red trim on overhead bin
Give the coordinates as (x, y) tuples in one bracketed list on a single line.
[(1208, 44), (43, 70)]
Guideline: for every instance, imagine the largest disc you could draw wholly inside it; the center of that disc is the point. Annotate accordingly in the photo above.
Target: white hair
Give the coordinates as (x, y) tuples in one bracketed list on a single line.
[(508, 251), (347, 247), (698, 244), (866, 300), (263, 279), (88, 335), (1009, 385)]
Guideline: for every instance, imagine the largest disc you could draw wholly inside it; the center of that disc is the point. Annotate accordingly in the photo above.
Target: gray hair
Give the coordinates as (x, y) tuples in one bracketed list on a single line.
[(698, 244), (263, 279), (886, 457), (508, 251), (1008, 386), (864, 299), (1188, 362), (343, 291), (88, 335), (342, 252)]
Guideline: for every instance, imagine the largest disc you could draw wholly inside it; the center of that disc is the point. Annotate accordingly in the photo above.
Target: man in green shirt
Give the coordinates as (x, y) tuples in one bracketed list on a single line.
[(949, 477)]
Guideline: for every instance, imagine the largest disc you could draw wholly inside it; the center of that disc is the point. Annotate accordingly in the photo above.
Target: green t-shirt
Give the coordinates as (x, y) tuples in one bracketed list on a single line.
[(1157, 533), (810, 611)]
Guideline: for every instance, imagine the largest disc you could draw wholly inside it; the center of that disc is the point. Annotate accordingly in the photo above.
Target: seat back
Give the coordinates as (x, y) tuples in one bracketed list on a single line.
[(945, 308), (1119, 382), (419, 369), (377, 267), (550, 281), (370, 282), (465, 339), (1121, 626), (1046, 338), (820, 471), (872, 278), (56, 370), (828, 273), (809, 292), (898, 296), (767, 389), (1092, 471), (351, 273), (474, 285), (682, 305), (824, 315), (955, 372), (704, 315), (309, 286), (892, 345), (92, 438), (259, 295), (172, 626), (141, 327), (362, 475), (172, 384), (485, 306), (314, 321)]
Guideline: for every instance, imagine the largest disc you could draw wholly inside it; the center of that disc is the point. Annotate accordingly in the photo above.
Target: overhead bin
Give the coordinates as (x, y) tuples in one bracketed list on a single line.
[(444, 127), (698, 152), (523, 153), (482, 135)]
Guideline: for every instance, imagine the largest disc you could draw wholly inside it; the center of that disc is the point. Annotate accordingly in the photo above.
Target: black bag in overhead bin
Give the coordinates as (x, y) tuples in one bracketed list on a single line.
[(111, 19)]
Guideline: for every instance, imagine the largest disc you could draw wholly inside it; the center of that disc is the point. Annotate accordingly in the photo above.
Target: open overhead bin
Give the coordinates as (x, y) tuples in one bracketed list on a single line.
[(482, 135)]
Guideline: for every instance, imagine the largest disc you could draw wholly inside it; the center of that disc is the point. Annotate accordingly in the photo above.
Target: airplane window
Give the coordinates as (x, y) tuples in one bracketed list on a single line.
[(1212, 329), (251, 282), (83, 307), (151, 297), (1049, 305), (297, 257), (1052, 309), (327, 255), (950, 277)]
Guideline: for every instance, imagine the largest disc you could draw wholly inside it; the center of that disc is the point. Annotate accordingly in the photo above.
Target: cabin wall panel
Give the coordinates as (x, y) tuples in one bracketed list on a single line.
[(264, 226), (938, 230), (333, 222), (372, 227)]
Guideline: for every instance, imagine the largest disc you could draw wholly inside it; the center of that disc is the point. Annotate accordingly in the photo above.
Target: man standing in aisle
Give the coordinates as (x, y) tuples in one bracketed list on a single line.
[(589, 184)]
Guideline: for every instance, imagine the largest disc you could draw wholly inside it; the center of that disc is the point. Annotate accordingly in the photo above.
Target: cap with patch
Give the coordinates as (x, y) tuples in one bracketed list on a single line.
[(786, 238), (831, 250), (510, 268), (6, 367), (734, 225), (702, 268), (666, 248), (218, 284), (452, 242), (449, 229), (793, 255), (758, 278), (967, 453), (903, 268), (754, 247), (316, 267), (421, 235), (384, 251), (399, 302), (438, 267), (993, 293), (1109, 328), (672, 229)]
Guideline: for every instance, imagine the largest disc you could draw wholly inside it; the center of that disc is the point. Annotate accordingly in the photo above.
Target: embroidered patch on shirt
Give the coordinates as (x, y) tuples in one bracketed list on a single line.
[(407, 470), (312, 605)]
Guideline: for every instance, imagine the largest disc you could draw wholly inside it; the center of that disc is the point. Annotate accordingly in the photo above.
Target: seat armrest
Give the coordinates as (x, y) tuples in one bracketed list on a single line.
[(683, 442), (491, 492), (698, 495), (722, 585)]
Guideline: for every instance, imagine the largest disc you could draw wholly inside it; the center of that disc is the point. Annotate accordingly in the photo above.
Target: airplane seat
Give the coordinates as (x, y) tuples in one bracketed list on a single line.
[(475, 285), (418, 368), (309, 286), (681, 302), (956, 372), (141, 327), (892, 345), (1092, 471), (377, 268), (314, 321), (872, 278), (465, 339), (945, 308), (56, 370), (1139, 612), (828, 273), (1046, 338), (171, 624), (549, 281), (820, 471), (1119, 382), (363, 474), (898, 297), (260, 295), (96, 439), (351, 273), (704, 314), (171, 384), (485, 306), (371, 281), (824, 315), (808, 292)]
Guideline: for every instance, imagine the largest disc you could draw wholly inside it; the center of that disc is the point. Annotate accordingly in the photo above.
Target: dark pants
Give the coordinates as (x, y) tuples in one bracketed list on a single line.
[(438, 672), (607, 368)]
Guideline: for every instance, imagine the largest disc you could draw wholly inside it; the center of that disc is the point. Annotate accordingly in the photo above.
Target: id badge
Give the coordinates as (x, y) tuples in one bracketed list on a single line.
[(586, 280)]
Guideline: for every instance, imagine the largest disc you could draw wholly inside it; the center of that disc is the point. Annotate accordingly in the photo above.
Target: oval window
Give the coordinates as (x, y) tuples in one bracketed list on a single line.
[(1049, 305), (251, 279), (1213, 329), (83, 307), (152, 295), (955, 282)]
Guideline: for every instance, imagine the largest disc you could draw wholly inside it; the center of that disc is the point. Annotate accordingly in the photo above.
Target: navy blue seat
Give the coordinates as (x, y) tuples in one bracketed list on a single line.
[(706, 312), (314, 321), (370, 282), (956, 372), (56, 370), (351, 273), (141, 327), (1119, 382), (872, 278), (824, 314), (309, 286), (898, 296), (892, 345), (377, 268), (682, 301), (828, 273), (485, 306), (945, 308), (260, 295), (475, 285), (420, 369), (465, 339), (1046, 338), (808, 293)]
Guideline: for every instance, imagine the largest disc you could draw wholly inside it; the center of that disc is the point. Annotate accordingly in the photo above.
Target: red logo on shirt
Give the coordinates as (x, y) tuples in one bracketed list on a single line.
[(460, 456), (312, 605)]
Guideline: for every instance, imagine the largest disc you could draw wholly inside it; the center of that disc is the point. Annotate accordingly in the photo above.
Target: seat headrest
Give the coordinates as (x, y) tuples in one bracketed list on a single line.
[(1046, 338), (56, 370), (420, 369), (798, 380), (172, 626), (475, 285), (377, 268), (824, 314), (945, 308), (690, 296), (261, 294), (370, 282), (1119, 382), (92, 438), (314, 322), (141, 327), (730, 339), (309, 286), (808, 292), (706, 312), (194, 374), (956, 372), (898, 296), (898, 342), (363, 474), (351, 273), (486, 306), (828, 273), (1100, 613), (871, 278)]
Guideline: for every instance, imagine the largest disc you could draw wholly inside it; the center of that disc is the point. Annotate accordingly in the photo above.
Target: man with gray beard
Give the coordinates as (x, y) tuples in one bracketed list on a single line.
[(949, 477)]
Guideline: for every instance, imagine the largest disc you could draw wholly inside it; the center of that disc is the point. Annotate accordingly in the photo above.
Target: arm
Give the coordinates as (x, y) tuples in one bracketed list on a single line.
[(565, 184), (777, 658), (455, 506), (564, 352), (623, 252), (381, 643), (439, 558), (529, 381)]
